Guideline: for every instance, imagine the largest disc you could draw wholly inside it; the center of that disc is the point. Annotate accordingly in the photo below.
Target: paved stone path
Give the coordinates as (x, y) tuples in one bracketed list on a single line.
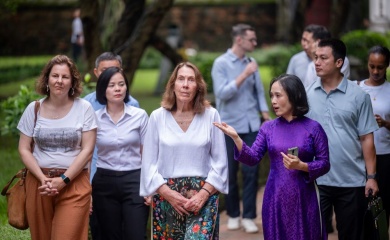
[(225, 234)]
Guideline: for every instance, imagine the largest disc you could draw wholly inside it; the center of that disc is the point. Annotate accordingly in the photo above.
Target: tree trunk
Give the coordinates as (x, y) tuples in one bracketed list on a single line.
[(134, 47), (340, 9), (90, 18), (128, 22), (165, 49)]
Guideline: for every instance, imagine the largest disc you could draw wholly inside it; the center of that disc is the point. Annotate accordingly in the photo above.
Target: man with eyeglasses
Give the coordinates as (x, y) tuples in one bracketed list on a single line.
[(240, 100)]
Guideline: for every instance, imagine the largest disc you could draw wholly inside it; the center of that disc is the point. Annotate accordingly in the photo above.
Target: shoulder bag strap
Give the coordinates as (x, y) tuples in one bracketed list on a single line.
[(23, 172)]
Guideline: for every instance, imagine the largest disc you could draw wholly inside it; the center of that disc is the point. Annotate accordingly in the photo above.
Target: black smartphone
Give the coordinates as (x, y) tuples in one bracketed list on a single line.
[(293, 151)]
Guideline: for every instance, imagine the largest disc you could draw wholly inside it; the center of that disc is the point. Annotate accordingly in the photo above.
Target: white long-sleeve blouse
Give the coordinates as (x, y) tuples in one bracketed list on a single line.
[(169, 152)]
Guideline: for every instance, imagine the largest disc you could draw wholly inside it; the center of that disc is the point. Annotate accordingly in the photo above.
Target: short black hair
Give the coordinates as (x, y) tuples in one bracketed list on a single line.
[(104, 80), (384, 51), (296, 93), (339, 50), (319, 32)]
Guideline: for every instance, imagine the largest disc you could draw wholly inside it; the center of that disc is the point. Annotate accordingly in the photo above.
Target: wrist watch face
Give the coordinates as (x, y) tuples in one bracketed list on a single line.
[(371, 176), (65, 179)]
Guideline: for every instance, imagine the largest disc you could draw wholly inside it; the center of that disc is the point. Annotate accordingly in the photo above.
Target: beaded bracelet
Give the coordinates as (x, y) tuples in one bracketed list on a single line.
[(207, 191)]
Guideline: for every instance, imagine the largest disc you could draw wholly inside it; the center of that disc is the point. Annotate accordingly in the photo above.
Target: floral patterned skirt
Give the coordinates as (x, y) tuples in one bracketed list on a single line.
[(167, 224)]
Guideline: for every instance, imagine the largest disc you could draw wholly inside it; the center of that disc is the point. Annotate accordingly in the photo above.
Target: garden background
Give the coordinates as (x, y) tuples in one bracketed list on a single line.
[(19, 71)]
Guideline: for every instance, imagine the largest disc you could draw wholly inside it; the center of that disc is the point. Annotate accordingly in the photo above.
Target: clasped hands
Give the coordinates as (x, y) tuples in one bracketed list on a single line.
[(184, 205), (51, 186)]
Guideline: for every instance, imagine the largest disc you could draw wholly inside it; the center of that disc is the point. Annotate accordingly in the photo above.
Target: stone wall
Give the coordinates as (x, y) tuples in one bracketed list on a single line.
[(47, 30)]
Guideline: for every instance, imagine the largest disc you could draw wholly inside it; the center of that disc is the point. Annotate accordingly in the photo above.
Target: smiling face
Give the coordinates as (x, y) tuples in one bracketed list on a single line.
[(280, 102), (377, 67), (116, 89), (185, 85), (60, 80)]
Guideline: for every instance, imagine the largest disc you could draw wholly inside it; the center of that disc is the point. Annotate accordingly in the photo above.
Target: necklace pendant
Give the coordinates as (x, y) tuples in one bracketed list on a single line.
[(374, 99)]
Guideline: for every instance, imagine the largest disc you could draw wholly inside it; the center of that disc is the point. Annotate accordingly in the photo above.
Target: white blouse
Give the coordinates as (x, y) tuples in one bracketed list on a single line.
[(119, 144), (169, 152)]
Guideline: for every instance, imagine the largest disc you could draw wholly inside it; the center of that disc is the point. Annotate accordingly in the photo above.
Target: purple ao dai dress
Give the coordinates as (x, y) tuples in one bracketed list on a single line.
[(291, 205)]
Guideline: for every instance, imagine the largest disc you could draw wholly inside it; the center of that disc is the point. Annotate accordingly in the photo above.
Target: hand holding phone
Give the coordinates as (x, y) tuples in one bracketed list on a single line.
[(293, 151)]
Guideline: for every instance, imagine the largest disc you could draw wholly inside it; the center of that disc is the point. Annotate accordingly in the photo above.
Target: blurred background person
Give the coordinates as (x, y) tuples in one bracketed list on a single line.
[(120, 211), (57, 184), (379, 89), (302, 63), (77, 38), (184, 163), (290, 206), (240, 99)]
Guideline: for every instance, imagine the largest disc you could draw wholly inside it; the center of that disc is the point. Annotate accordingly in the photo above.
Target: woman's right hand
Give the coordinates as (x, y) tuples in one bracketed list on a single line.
[(228, 130), (231, 132)]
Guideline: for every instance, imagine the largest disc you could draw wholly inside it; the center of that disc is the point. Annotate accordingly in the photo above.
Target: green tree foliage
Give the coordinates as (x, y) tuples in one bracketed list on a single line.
[(13, 109)]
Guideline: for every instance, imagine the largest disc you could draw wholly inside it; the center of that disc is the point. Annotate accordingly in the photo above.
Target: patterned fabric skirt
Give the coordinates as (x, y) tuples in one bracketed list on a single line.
[(167, 224)]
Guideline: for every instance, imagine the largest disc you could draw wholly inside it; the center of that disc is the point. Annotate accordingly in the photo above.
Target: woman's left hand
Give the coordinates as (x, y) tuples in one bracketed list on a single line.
[(197, 201), (291, 162)]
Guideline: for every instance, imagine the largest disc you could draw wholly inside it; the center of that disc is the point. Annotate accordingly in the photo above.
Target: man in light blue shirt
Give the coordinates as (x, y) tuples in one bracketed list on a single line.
[(345, 113), (240, 100), (299, 62), (104, 61)]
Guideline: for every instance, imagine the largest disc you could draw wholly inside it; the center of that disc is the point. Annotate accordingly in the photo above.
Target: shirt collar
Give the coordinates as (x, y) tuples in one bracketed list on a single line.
[(128, 110), (342, 87), (233, 57)]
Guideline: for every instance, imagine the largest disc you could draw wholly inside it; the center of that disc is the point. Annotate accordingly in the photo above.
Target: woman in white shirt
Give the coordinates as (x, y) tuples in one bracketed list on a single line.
[(379, 89), (120, 211), (184, 163)]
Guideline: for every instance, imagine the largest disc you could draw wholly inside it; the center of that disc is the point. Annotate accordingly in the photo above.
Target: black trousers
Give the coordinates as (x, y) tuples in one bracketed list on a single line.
[(349, 205), (383, 178), (120, 211), (94, 227)]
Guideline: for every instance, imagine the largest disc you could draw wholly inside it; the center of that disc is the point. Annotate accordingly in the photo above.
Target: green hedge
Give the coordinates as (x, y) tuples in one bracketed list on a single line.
[(20, 68), (360, 41)]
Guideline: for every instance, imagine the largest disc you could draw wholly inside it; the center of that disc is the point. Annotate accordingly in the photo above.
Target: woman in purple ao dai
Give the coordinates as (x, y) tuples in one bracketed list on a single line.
[(291, 207)]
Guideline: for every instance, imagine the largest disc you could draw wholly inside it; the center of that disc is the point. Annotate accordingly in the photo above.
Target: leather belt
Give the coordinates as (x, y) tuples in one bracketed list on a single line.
[(55, 172)]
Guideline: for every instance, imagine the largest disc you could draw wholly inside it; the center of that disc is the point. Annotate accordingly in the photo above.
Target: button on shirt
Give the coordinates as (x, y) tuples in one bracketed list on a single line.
[(345, 114), (238, 106), (119, 145)]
